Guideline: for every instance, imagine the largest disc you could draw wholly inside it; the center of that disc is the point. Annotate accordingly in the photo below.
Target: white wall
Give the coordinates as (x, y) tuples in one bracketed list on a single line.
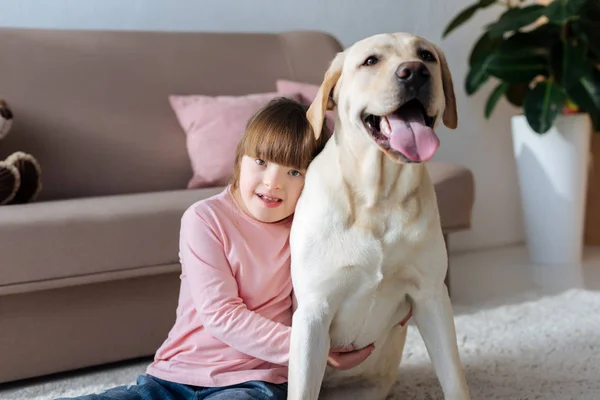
[(484, 146)]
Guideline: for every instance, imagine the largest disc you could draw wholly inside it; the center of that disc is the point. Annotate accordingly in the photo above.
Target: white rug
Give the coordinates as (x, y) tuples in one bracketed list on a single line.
[(542, 348)]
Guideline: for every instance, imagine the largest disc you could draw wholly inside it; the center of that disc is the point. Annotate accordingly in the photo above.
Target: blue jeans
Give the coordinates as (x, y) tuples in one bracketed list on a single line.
[(149, 388)]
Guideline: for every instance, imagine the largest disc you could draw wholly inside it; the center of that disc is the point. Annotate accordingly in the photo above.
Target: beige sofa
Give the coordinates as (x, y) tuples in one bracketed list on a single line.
[(89, 273)]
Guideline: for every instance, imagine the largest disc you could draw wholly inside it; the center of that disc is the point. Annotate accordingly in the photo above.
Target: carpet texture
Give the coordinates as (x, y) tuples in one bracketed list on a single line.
[(539, 348)]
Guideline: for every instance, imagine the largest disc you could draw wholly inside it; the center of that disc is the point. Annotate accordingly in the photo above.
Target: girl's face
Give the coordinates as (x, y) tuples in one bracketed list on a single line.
[(268, 192)]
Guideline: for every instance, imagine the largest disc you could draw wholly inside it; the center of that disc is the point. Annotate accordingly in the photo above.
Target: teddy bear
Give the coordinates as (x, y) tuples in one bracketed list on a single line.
[(20, 173)]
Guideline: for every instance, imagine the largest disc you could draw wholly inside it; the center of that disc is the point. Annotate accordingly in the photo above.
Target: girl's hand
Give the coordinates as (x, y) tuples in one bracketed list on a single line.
[(347, 358)]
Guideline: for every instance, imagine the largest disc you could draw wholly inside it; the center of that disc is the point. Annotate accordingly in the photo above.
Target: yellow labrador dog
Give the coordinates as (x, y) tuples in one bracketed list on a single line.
[(366, 242)]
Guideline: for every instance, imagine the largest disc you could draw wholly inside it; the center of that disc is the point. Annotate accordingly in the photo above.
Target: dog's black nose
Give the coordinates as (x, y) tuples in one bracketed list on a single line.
[(413, 73)]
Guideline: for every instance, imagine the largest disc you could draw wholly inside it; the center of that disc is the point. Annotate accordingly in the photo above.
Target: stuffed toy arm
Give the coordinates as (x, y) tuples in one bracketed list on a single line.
[(20, 173), (6, 119)]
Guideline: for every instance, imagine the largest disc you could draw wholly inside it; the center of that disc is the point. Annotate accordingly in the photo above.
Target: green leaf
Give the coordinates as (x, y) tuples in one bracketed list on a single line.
[(569, 62), (586, 94), (542, 37), (516, 93), (591, 11), (476, 76), (518, 66), (575, 6), (556, 12), (561, 11), (461, 18), (483, 47), (542, 104), (590, 32), (486, 3), (494, 97), (515, 18)]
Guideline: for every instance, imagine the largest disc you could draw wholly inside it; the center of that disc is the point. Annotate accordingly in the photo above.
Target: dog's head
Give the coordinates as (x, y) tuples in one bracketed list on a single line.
[(391, 90)]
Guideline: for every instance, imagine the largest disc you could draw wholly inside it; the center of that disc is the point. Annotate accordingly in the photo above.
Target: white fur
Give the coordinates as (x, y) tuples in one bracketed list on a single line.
[(366, 240)]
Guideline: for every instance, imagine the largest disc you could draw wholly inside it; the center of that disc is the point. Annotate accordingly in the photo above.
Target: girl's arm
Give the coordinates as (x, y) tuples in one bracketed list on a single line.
[(215, 295)]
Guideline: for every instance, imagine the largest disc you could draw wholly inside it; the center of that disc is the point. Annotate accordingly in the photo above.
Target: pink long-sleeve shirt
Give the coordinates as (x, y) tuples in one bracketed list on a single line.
[(235, 307)]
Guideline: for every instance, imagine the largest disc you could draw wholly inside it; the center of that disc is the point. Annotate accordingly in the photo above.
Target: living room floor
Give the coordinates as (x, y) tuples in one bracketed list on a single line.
[(499, 276), (478, 277)]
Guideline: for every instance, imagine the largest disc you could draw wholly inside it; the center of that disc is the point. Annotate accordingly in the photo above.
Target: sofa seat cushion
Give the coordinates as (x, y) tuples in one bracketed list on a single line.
[(70, 242), (455, 191), (63, 239)]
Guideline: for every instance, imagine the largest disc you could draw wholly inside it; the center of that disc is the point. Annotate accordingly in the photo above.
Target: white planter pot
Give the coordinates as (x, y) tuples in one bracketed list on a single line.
[(553, 170)]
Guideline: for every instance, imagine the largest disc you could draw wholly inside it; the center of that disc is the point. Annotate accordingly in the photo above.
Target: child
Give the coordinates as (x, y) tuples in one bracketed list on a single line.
[(231, 336)]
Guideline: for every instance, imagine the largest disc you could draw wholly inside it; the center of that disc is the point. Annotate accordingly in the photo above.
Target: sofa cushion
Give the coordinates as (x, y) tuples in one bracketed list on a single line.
[(455, 191), (213, 126), (307, 92), (70, 242), (74, 238)]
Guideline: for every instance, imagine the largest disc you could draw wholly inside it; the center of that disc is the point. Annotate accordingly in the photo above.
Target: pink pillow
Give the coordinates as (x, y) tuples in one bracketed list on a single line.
[(307, 92), (213, 126)]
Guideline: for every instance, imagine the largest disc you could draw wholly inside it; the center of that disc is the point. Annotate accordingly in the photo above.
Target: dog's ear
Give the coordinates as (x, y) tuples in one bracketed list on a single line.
[(450, 117), (323, 101)]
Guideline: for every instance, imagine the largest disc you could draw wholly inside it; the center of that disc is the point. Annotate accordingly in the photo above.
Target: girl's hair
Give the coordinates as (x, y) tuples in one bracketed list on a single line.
[(279, 133)]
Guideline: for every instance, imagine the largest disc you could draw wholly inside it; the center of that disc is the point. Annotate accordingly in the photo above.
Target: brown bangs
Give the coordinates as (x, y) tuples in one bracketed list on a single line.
[(279, 133), (288, 144)]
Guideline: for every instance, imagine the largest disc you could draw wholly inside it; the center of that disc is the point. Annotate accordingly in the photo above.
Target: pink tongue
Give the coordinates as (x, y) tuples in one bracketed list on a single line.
[(411, 136)]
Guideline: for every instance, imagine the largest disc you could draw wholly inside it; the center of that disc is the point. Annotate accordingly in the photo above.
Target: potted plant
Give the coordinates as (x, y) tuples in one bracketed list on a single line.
[(545, 60)]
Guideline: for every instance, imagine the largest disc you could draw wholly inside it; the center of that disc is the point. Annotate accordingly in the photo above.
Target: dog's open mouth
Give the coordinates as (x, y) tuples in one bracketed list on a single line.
[(407, 131)]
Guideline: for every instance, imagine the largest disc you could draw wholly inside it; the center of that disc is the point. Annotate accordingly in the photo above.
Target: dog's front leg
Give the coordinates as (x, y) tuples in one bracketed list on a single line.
[(309, 347), (435, 320)]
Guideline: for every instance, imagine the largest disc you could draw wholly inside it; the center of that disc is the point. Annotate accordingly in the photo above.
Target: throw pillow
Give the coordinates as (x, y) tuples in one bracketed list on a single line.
[(213, 126), (307, 92)]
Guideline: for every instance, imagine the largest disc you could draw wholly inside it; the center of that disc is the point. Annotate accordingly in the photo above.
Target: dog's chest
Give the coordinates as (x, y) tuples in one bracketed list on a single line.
[(377, 301), (389, 244), (394, 231)]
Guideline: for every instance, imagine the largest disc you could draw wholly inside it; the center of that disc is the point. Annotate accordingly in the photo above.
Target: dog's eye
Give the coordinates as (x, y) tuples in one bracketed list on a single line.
[(426, 55), (372, 60)]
